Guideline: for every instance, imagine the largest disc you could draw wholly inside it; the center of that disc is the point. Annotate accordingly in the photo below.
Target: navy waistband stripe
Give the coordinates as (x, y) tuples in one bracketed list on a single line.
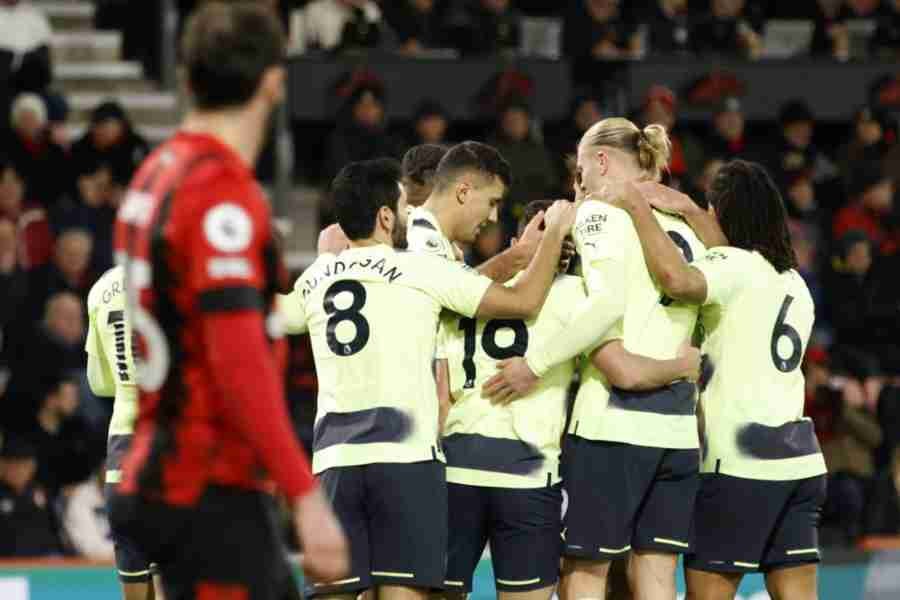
[(370, 426)]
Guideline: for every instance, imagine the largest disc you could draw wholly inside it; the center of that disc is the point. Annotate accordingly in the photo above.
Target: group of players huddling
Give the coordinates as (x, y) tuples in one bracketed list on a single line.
[(442, 414)]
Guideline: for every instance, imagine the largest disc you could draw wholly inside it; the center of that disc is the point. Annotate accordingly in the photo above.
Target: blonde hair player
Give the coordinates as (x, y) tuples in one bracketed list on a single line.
[(632, 458)]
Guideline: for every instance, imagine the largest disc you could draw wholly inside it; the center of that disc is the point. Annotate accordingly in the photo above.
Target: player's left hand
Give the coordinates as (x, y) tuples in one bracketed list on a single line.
[(513, 381), (332, 240)]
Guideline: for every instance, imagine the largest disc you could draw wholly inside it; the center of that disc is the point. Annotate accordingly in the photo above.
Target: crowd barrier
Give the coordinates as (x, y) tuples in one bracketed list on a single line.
[(874, 576)]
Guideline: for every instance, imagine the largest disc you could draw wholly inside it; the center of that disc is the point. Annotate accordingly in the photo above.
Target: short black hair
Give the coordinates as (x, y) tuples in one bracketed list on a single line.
[(420, 162), (226, 49), (472, 156), (531, 209), (751, 212), (360, 190)]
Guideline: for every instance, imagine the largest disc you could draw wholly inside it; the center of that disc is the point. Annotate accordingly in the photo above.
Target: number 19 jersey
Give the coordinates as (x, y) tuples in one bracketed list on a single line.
[(758, 323), (514, 445), (372, 315)]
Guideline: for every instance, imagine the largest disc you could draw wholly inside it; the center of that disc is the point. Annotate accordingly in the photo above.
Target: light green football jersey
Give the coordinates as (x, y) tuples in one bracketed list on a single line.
[(758, 323), (517, 445), (652, 326), (372, 315), (424, 235), (111, 370)]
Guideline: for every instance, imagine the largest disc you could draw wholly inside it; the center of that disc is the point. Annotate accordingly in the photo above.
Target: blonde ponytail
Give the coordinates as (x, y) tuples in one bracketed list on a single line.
[(650, 146)]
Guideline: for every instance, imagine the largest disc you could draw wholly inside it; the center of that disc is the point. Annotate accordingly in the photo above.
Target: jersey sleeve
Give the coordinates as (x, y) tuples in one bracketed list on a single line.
[(725, 270), (292, 308), (600, 236), (453, 285), (226, 245), (100, 377)]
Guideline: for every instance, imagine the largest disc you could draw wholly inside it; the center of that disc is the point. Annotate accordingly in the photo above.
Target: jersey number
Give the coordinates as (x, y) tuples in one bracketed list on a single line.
[(351, 313), (782, 329), (116, 320), (688, 256), (489, 343)]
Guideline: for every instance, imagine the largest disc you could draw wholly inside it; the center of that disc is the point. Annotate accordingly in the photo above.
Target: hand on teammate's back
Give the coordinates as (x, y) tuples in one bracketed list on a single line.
[(332, 240), (692, 361), (667, 199), (326, 554), (513, 380)]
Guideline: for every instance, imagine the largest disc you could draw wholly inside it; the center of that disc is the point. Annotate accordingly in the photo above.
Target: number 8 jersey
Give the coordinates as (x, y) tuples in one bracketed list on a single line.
[(372, 315), (758, 323)]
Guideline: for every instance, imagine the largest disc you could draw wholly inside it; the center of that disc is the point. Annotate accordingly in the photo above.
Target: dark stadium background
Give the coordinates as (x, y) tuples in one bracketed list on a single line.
[(810, 88)]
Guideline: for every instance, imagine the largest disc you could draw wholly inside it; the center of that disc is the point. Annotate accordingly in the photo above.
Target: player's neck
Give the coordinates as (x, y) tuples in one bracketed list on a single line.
[(378, 238), (444, 210), (242, 129)]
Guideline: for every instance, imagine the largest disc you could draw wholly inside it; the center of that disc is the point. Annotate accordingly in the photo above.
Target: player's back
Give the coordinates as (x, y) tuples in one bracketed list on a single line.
[(194, 236), (513, 445), (372, 315), (653, 325), (109, 343), (758, 322)]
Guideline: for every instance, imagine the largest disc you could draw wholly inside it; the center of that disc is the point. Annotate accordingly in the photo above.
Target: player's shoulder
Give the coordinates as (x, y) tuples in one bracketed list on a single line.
[(594, 217), (112, 278), (733, 256)]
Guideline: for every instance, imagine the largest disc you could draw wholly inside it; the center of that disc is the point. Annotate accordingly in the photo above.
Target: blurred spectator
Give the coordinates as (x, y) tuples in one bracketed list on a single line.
[(69, 271), (42, 164), (698, 185), (668, 29), (830, 36), (848, 434), (796, 151), (13, 280), (584, 111), (24, 50), (34, 238), (67, 450), (430, 124), (336, 25), (360, 131), (599, 29), (660, 106), (110, 141), (419, 165), (805, 238), (874, 132), (871, 194), (418, 24), (885, 42), (51, 345), (728, 137), (883, 511), (85, 521), (489, 27), (57, 117), (487, 245), (536, 175), (729, 29), (27, 526)]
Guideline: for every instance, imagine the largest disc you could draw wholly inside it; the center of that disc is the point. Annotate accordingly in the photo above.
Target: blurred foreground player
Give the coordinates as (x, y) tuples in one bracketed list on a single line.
[(201, 266), (372, 314), (763, 474), (111, 373)]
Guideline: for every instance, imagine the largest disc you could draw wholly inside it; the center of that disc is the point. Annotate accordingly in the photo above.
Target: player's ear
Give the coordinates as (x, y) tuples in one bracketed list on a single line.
[(463, 189), (386, 219), (602, 162)]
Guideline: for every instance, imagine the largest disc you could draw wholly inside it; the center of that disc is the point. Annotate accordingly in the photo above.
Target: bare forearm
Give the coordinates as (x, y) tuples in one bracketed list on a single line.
[(504, 266), (664, 261), (634, 372), (532, 288), (707, 228)]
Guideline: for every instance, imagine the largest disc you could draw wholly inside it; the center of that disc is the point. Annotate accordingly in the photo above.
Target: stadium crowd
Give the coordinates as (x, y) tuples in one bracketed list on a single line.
[(58, 199)]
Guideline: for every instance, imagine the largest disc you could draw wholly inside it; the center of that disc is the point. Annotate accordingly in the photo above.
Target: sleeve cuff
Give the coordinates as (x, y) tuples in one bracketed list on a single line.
[(536, 365)]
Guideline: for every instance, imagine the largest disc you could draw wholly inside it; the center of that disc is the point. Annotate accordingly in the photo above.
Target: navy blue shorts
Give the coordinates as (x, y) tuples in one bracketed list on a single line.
[(746, 525), (522, 526), (131, 563), (623, 497), (395, 518)]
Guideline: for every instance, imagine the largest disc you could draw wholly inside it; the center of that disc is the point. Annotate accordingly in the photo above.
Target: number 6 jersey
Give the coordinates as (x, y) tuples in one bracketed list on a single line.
[(758, 323), (372, 315)]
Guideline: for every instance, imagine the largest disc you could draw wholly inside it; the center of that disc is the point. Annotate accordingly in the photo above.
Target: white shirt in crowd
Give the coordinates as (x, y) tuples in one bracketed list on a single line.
[(322, 22), (23, 28)]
